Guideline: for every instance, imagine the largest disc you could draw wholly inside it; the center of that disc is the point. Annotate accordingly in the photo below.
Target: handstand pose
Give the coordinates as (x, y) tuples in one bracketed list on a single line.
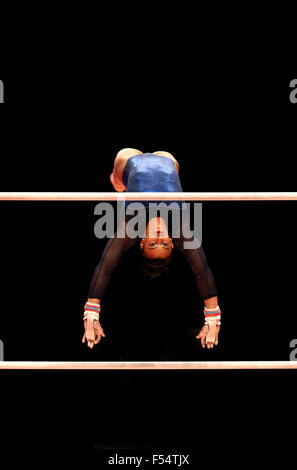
[(150, 172)]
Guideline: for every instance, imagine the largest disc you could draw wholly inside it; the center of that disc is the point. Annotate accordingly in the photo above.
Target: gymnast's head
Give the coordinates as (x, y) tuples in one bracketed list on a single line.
[(156, 248)]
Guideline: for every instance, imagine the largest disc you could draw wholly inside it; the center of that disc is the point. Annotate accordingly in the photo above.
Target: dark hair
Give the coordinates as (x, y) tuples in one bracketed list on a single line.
[(154, 267)]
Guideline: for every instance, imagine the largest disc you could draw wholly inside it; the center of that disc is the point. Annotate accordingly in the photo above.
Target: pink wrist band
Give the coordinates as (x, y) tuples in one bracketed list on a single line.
[(92, 310), (212, 312)]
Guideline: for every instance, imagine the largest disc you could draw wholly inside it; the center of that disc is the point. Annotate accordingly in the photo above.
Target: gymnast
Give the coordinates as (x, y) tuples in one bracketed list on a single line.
[(150, 172)]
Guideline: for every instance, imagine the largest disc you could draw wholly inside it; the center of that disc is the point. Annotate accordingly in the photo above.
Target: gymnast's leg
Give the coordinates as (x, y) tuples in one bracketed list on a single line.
[(168, 155), (119, 165)]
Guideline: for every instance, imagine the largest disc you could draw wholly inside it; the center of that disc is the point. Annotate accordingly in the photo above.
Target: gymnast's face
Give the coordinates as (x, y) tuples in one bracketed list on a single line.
[(157, 243)]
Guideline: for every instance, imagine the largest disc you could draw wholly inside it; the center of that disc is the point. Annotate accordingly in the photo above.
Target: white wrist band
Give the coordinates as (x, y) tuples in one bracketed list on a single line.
[(211, 321)]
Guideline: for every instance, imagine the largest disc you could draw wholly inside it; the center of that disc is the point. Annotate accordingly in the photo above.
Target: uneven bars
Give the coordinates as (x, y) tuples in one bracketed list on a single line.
[(170, 196), (230, 365), (173, 196)]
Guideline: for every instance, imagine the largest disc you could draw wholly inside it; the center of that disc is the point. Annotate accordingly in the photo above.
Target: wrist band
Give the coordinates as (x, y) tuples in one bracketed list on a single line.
[(212, 312), (91, 311), (212, 315)]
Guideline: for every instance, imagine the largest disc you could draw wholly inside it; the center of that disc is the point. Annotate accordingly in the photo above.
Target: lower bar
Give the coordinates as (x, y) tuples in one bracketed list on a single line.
[(149, 365), (171, 196)]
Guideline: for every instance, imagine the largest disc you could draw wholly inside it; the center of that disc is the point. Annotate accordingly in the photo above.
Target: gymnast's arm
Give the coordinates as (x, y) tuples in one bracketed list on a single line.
[(114, 250), (198, 263), (191, 247), (110, 258)]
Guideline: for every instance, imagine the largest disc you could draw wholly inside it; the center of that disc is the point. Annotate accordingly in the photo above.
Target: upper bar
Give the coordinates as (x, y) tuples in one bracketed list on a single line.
[(162, 365), (170, 196)]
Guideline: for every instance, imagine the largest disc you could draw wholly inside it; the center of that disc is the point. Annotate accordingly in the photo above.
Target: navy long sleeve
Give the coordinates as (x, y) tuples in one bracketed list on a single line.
[(110, 258)]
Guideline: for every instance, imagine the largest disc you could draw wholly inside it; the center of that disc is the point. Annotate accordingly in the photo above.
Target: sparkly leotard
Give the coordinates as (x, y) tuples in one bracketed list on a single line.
[(151, 173)]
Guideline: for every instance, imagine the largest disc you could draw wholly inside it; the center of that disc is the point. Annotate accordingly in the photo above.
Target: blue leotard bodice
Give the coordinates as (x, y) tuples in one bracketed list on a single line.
[(151, 173)]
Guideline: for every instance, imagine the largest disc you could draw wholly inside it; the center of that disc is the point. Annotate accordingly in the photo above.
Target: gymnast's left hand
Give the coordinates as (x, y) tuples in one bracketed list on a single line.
[(209, 336), (93, 333)]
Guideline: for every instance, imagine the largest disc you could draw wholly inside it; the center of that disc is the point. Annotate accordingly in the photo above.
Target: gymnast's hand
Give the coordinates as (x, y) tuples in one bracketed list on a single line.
[(209, 336), (93, 333)]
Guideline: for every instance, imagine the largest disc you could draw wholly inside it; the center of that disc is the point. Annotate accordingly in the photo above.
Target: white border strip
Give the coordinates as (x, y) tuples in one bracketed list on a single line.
[(150, 365), (171, 196)]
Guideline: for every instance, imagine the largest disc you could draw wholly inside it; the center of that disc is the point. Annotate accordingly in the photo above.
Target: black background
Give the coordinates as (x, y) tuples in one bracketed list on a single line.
[(226, 116)]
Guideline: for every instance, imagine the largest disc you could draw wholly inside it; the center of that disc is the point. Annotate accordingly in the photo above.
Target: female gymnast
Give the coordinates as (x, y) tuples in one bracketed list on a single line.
[(150, 172)]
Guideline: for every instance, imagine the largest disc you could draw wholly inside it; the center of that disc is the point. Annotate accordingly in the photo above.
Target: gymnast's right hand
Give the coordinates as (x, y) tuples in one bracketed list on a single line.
[(93, 329)]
